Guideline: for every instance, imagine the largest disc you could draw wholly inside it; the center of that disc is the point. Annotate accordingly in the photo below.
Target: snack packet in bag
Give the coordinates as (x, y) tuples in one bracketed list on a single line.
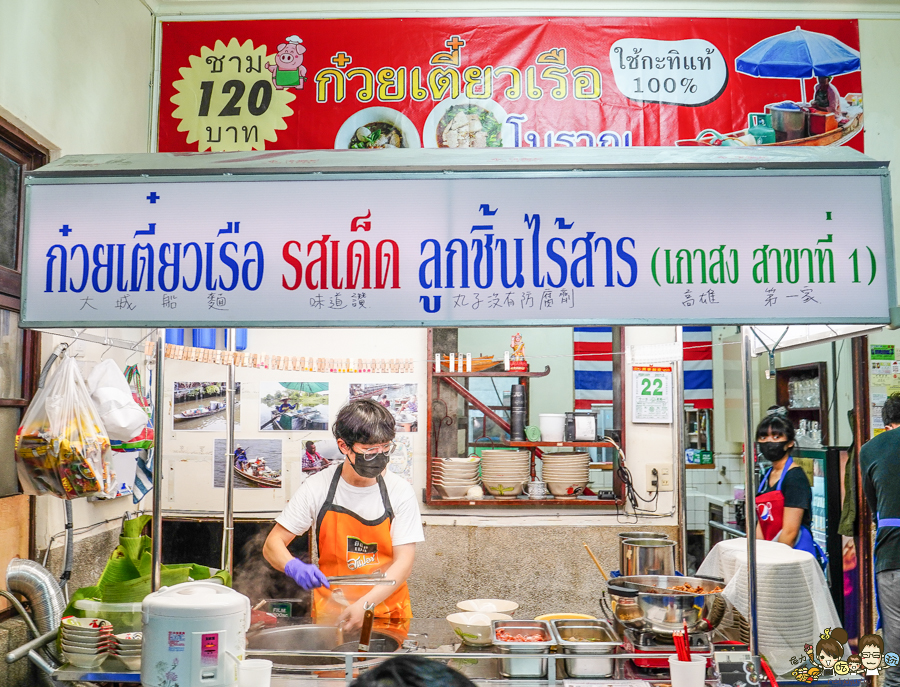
[(62, 447)]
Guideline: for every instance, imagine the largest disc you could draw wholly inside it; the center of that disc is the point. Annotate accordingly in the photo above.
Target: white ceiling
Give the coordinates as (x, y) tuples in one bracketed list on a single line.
[(775, 8)]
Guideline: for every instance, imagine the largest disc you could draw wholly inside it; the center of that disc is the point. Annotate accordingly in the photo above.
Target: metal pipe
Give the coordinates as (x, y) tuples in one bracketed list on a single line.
[(859, 355), (158, 429), (25, 649), (750, 486), (679, 448), (228, 524)]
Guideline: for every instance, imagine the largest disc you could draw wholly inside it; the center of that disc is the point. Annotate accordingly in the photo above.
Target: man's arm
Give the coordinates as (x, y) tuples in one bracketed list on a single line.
[(404, 557), (868, 484), (275, 550)]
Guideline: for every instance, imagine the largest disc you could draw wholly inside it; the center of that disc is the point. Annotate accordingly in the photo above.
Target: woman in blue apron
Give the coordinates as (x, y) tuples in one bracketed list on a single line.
[(784, 499)]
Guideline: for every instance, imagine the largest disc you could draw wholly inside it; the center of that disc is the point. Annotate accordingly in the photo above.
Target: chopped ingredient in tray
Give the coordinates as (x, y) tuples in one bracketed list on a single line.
[(505, 636), (583, 639), (686, 587)]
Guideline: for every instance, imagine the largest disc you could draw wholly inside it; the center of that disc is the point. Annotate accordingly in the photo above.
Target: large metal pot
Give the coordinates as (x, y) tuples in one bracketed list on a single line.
[(647, 603), (324, 638), (635, 535), (648, 557)]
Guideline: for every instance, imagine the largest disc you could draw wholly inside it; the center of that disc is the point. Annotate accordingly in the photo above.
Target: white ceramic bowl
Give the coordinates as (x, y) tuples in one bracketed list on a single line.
[(468, 460), (408, 131), (473, 627), (131, 662), (81, 643), (561, 489), (459, 492), (488, 606), (506, 488), (84, 660), (455, 475), (126, 652), (103, 649), (94, 624)]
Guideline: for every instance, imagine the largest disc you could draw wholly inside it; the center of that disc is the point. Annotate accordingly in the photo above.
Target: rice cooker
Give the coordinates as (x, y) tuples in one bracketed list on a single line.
[(194, 635)]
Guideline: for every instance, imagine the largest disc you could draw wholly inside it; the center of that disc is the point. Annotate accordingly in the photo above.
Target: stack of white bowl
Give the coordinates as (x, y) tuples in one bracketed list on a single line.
[(566, 474), (455, 478), (504, 473), (127, 648), (86, 641)]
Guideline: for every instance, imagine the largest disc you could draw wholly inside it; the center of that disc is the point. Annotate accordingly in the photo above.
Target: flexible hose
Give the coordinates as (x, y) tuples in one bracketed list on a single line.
[(70, 549), (35, 583)]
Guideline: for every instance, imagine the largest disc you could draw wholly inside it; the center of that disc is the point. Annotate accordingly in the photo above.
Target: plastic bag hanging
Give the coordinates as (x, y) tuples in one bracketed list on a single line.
[(62, 447)]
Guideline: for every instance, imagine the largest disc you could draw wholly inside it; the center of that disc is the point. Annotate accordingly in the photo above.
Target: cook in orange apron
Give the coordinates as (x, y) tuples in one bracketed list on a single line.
[(351, 545)]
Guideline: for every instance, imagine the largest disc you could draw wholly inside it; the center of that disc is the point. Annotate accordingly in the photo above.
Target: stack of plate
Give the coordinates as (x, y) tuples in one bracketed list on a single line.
[(85, 641), (455, 477), (566, 474), (127, 648), (504, 473)]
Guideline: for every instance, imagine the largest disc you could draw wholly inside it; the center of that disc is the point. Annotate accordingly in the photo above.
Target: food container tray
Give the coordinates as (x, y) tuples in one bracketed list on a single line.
[(522, 666), (591, 657)]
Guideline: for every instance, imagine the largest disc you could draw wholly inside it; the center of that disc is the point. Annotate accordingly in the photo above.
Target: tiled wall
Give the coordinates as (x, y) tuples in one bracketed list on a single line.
[(705, 484)]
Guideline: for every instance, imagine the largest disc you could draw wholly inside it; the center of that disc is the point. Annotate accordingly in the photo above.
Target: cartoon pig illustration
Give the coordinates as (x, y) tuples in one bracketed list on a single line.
[(288, 70)]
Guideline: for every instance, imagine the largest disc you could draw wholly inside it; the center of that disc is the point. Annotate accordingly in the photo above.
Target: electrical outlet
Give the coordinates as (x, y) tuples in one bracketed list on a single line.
[(662, 478)]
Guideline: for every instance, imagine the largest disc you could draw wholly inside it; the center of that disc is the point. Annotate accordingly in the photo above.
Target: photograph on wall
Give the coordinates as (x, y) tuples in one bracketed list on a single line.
[(400, 399), (257, 464), (318, 454), (200, 406), (401, 458), (292, 406)]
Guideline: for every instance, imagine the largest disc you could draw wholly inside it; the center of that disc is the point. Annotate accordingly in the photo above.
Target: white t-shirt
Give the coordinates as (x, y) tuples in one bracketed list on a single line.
[(302, 510)]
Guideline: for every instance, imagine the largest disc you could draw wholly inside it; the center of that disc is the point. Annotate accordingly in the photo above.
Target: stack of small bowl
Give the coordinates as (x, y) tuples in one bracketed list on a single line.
[(454, 478), (127, 648), (504, 473), (566, 473), (85, 641)]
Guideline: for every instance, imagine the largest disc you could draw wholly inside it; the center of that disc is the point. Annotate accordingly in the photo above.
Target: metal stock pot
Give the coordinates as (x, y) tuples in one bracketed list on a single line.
[(647, 603)]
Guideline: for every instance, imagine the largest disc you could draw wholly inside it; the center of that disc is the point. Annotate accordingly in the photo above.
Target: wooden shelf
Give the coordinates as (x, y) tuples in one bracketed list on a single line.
[(697, 466), (560, 444), (524, 501), (487, 373)]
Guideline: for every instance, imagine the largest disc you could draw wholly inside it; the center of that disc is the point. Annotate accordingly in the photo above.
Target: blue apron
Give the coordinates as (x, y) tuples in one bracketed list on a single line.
[(805, 540)]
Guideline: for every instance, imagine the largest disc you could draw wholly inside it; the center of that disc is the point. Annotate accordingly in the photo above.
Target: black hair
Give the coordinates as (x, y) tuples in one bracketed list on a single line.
[(412, 671), (775, 422), (890, 412), (363, 421)]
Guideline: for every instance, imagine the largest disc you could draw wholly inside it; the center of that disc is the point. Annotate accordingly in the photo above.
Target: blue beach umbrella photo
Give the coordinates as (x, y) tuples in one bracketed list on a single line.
[(798, 54)]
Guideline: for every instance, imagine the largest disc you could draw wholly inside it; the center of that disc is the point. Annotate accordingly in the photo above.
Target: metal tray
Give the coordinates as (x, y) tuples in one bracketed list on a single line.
[(593, 658), (528, 665)]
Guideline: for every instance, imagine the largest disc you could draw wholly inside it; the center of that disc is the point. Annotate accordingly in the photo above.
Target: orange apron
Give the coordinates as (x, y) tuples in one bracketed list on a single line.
[(350, 545)]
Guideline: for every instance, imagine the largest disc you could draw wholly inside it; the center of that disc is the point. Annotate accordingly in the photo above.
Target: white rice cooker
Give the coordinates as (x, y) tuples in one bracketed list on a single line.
[(194, 635)]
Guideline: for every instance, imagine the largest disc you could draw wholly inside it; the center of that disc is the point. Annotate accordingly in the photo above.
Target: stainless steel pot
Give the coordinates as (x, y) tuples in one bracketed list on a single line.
[(647, 603), (324, 638), (648, 557), (635, 535)]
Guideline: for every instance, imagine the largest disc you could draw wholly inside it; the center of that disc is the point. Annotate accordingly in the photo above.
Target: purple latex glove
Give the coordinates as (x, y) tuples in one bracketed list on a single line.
[(307, 575)]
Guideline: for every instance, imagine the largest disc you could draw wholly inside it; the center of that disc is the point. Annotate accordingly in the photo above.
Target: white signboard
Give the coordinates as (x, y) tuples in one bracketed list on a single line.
[(457, 251), (651, 394)]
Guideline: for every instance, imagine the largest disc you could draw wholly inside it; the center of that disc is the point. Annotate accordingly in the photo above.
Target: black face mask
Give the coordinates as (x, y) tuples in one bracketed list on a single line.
[(772, 451), (371, 468)]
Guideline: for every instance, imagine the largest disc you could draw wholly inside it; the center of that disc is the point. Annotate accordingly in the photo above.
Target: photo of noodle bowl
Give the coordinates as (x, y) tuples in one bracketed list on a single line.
[(467, 123), (377, 128)]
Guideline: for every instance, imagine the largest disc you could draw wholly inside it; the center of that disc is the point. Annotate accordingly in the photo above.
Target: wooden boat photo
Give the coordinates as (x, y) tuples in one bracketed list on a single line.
[(193, 414), (836, 137), (272, 480)]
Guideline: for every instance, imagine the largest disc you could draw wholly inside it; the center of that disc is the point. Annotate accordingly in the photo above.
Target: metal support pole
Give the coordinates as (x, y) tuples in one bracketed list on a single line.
[(228, 525), (158, 415), (750, 485), (865, 569), (678, 419)]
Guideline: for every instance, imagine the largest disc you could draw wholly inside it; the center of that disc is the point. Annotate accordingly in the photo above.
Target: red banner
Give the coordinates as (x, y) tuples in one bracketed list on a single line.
[(513, 81)]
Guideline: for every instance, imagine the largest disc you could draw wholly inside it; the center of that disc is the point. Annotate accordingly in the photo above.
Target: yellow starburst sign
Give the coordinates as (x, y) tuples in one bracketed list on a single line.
[(226, 99)]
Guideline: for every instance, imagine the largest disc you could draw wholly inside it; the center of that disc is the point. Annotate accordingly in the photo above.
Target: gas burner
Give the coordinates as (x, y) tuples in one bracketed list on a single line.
[(649, 643)]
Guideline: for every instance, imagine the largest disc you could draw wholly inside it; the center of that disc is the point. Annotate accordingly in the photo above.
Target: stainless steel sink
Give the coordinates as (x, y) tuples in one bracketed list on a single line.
[(322, 638)]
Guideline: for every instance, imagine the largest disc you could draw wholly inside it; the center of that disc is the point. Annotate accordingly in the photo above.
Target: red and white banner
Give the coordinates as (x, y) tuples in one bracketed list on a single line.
[(512, 81)]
